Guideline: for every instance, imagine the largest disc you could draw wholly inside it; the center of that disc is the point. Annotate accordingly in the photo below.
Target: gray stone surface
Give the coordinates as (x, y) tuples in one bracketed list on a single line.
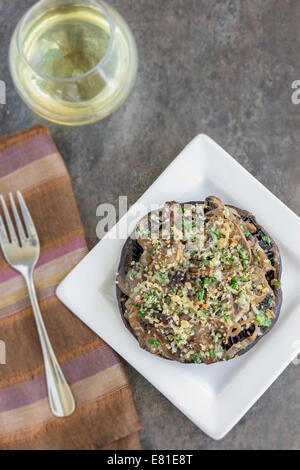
[(220, 67)]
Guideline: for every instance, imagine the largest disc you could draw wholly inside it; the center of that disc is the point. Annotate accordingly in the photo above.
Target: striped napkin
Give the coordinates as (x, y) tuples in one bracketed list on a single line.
[(105, 417)]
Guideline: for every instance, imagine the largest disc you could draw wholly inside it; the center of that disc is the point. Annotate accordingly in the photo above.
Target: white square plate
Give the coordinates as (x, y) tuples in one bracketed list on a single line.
[(214, 397)]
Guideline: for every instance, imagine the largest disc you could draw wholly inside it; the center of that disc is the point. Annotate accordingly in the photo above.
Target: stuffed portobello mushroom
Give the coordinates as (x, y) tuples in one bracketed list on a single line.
[(199, 282)]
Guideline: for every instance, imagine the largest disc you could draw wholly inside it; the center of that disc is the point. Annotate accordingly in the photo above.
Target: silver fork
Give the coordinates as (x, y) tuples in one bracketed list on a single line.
[(23, 255)]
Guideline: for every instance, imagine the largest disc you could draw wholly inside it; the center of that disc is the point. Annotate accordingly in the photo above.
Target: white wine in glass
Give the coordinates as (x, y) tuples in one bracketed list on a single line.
[(73, 61)]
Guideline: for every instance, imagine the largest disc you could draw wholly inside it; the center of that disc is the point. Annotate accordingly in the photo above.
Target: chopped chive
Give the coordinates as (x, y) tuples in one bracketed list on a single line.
[(158, 277), (212, 354), (202, 314), (146, 232), (201, 294), (266, 239), (197, 358), (262, 319), (217, 233), (246, 232), (244, 254)]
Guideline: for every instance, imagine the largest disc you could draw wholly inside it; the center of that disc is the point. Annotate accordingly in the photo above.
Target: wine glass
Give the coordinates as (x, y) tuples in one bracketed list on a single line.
[(73, 62)]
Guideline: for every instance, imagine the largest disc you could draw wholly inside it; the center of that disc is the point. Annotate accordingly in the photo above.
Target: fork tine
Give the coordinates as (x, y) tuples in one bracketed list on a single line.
[(27, 217), (3, 234), (17, 219), (9, 223)]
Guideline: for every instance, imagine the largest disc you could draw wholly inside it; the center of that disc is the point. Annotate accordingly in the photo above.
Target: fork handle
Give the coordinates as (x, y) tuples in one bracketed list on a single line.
[(61, 400)]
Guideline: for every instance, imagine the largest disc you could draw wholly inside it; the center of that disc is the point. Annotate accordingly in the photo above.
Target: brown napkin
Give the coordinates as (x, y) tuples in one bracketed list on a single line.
[(105, 417)]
